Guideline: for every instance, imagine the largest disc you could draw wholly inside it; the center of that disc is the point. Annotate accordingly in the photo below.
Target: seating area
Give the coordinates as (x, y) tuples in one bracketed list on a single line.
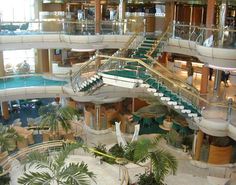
[(49, 135), (27, 137)]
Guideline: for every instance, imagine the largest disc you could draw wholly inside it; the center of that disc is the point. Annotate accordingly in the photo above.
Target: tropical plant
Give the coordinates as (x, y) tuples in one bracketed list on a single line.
[(56, 116), (129, 151), (147, 179), (174, 138), (117, 151), (161, 161), (54, 170), (4, 178), (8, 137), (101, 148)]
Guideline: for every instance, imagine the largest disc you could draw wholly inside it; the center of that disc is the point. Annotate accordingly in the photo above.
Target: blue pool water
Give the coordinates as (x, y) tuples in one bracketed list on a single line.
[(28, 81)]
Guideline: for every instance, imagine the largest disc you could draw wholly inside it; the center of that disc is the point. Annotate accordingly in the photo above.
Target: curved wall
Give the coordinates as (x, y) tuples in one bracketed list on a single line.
[(217, 57), (31, 92), (46, 41), (217, 127)]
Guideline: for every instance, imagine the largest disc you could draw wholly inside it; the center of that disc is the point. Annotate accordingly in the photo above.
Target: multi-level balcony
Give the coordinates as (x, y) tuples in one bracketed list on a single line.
[(137, 73)]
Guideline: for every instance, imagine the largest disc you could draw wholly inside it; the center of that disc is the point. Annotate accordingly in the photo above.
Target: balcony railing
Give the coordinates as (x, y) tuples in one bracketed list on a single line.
[(209, 37), (80, 27)]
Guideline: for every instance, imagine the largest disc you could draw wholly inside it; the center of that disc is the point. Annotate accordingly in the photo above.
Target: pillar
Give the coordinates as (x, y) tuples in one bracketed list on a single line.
[(5, 111), (98, 116), (2, 71), (121, 9), (204, 80), (50, 60), (223, 8), (217, 81), (210, 15), (97, 16), (200, 136), (170, 14), (133, 104), (97, 60), (41, 61), (38, 7), (209, 23)]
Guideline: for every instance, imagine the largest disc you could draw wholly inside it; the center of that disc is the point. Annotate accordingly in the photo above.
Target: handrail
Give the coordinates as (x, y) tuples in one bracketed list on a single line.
[(76, 75), (161, 66), (41, 147), (176, 77), (205, 28), (157, 73), (158, 41), (193, 94)]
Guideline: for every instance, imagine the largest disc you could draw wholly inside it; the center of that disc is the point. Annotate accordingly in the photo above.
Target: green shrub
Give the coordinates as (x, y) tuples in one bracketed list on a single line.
[(129, 151), (147, 179), (102, 148), (117, 151), (173, 138), (5, 179)]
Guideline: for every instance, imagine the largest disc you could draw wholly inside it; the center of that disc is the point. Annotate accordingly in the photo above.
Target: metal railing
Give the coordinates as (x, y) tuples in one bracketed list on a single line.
[(91, 67), (79, 27), (189, 94), (209, 37)]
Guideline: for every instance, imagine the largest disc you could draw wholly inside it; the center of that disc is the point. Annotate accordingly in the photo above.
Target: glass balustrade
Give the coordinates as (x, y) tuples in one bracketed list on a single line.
[(36, 80), (209, 37), (60, 26)]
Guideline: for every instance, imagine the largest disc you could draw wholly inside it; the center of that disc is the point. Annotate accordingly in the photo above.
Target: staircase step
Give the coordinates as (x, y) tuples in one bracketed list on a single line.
[(123, 73), (139, 68), (151, 38), (147, 44), (144, 47), (149, 41), (133, 63)]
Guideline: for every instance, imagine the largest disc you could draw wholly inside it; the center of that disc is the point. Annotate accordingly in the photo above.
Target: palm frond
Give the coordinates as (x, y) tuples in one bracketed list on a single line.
[(77, 174), (163, 163), (60, 158), (141, 150), (38, 160), (36, 178), (157, 139)]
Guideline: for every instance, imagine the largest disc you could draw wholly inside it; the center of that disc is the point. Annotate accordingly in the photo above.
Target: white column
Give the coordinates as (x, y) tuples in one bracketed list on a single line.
[(2, 71), (97, 108)]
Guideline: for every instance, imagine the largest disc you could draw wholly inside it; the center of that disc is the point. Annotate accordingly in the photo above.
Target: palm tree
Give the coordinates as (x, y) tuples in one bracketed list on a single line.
[(53, 170), (161, 161), (4, 177), (8, 137), (56, 116)]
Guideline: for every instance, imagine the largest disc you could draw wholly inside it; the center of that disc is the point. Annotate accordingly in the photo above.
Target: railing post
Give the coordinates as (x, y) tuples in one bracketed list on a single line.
[(144, 26), (229, 111), (173, 29)]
